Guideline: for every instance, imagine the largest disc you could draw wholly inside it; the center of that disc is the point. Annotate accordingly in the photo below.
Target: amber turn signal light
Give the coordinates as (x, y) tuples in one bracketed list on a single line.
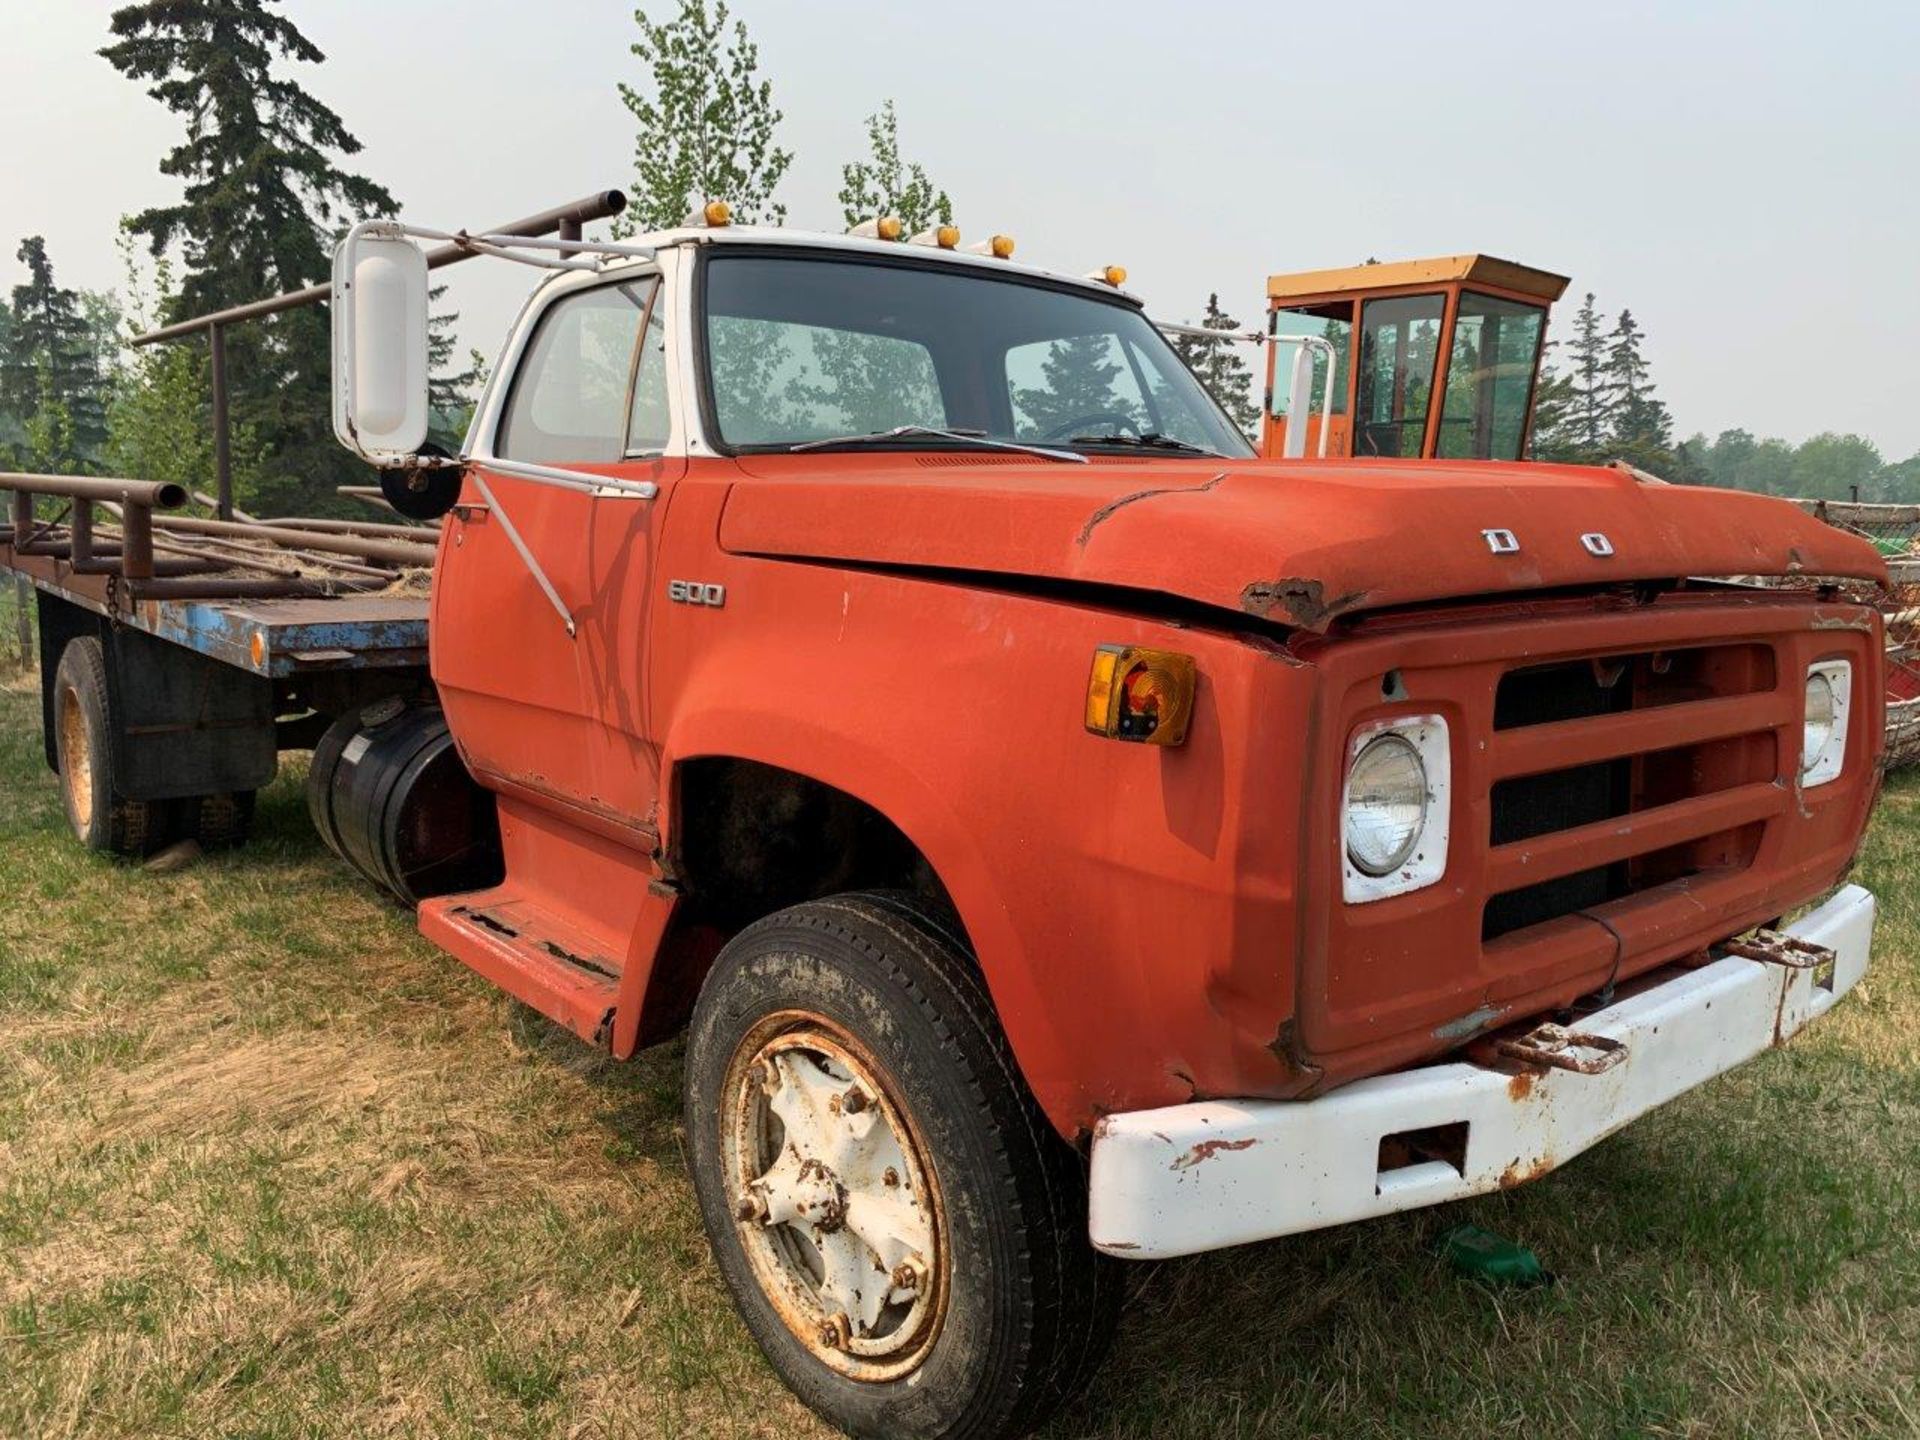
[(1143, 695)]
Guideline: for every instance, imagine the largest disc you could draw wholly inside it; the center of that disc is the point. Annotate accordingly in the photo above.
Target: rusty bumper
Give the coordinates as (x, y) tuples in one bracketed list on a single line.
[(1188, 1178)]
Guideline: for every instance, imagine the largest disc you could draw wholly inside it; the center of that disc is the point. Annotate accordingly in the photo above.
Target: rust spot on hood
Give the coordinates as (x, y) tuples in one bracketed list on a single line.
[(1297, 601), (1206, 1150)]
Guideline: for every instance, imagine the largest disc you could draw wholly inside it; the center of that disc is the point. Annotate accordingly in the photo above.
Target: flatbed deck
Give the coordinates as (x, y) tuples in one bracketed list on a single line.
[(274, 639)]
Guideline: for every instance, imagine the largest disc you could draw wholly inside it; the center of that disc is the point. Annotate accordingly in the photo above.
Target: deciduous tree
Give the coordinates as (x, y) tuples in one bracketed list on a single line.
[(882, 183), (706, 121)]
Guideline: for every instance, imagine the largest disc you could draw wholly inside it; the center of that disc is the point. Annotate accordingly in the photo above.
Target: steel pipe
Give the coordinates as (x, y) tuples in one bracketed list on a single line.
[(154, 494), (248, 589), (419, 534), (597, 206), (356, 547)]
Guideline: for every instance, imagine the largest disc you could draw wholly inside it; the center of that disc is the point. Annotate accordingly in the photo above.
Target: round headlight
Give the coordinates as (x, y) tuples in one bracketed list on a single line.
[(1386, 804), (1817, 729)]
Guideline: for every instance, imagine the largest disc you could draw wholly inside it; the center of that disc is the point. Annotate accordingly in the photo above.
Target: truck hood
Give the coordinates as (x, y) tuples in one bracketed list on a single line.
[(1300, 542)]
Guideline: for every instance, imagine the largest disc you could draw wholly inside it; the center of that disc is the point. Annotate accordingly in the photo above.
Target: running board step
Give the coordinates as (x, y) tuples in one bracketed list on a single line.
[(532, 955)]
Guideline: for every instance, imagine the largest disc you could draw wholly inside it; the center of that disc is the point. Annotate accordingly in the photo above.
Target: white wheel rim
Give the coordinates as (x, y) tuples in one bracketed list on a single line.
[(837, 1209)]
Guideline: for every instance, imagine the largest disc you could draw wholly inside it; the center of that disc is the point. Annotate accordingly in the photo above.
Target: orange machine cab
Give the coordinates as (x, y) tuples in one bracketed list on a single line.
[(1436, 358)]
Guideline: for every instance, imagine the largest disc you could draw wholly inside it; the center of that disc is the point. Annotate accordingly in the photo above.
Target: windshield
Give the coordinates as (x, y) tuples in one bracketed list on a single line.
[(803, 348)]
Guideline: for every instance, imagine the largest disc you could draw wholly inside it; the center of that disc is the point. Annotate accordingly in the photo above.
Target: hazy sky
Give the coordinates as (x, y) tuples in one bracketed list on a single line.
[(1746, 177)]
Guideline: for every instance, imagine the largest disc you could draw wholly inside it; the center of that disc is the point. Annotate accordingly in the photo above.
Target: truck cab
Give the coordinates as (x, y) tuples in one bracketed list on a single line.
[(1064, 834), (1434, 359)]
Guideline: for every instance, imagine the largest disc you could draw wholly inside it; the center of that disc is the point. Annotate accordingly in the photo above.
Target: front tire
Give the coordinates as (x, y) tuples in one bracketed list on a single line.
[(900, 1228)]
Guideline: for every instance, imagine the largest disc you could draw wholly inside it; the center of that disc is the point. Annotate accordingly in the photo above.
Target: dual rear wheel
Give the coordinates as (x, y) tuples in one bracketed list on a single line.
[(901, 1230)]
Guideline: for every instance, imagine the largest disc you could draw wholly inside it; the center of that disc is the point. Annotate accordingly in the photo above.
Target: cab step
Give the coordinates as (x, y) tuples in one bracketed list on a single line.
[(561, 971)]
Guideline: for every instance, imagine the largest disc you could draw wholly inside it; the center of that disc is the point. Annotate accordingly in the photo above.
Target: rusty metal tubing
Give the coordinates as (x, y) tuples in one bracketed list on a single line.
[(597, 206), (136, 542), (153, 494), (249, 589), (419, 534), (355, 547)]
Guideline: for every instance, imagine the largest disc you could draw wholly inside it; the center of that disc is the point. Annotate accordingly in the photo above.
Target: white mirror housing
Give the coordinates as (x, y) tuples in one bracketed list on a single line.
[(380, 405), (1299, 403)]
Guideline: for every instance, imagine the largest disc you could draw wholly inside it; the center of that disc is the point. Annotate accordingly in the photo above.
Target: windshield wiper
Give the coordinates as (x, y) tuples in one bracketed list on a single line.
[(1152, 440), (964, 437)]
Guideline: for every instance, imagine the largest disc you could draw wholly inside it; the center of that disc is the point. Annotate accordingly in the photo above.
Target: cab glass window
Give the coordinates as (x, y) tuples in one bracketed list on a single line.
[(1496, 350), (569, 398), (777, 379), (804, 347), (1399, 346), (1332, 323), (649, 425)]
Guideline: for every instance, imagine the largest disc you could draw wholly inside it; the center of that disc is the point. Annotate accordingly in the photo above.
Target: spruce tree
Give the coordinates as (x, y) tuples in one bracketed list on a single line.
[(1223, 369), (1590, 395), (1641, 430), (883, 184), (52, 379), (263, 195), (706, 122)]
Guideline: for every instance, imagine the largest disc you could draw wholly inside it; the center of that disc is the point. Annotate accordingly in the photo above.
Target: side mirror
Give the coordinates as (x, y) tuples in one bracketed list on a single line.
[(1299, 393), (379, 345)]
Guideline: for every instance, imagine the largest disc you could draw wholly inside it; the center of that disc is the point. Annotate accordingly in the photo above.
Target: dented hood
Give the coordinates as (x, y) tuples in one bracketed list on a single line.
[(1296, 541)]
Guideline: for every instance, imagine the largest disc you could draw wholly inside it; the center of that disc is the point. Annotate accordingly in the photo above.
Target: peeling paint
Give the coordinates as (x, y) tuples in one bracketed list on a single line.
[(1298, 601), (1206, 1150)]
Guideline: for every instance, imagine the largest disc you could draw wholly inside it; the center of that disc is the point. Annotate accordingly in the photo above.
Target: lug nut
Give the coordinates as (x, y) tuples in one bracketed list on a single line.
[(768, 1074), (836, 1332), (854, 1101), (909, 1274), (752, 1207)]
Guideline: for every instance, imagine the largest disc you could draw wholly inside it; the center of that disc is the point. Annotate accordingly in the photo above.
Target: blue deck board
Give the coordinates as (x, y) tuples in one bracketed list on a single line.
[(277, 638)]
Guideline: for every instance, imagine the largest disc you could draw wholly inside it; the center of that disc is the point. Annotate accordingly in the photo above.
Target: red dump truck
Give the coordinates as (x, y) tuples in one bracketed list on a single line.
[(1066, 835)]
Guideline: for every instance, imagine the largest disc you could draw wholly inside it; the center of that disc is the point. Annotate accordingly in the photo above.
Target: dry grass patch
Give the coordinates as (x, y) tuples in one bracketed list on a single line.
[(271, 1166)]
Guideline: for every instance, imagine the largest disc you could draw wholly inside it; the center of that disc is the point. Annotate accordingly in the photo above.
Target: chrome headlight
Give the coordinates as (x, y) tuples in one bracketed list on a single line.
[(1393, 814), (1823, 729), (1386, 804)]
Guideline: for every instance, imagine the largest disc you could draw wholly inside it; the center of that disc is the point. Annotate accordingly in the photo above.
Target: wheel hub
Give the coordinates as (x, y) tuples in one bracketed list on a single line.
[(837, 1207), (76, 759)]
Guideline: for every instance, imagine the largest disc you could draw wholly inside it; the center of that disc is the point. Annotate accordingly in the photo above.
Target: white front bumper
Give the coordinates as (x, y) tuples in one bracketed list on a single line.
[(1203, 1176)]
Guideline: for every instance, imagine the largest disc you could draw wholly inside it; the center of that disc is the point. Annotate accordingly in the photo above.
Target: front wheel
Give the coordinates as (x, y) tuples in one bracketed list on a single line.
[(901, 1230)]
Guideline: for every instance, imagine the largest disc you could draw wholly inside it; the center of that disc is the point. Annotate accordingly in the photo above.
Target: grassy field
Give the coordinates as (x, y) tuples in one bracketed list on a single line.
[(271, 1166)]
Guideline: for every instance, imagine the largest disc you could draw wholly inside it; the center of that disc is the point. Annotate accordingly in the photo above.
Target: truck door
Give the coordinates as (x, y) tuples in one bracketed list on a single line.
[(556, 719)]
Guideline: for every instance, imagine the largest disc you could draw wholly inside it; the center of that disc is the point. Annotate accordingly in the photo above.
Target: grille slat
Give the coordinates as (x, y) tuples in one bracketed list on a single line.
[(1612, 774)]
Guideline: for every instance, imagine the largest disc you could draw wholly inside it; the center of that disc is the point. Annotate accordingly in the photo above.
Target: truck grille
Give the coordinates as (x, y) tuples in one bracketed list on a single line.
[(1675, 755)]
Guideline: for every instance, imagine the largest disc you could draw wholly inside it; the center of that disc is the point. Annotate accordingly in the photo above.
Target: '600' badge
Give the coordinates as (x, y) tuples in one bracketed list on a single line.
[(696, 592)]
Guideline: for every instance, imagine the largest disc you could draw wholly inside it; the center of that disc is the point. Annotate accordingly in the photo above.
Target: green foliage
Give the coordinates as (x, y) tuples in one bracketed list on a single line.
[(1602, 406), (159, 421), (262, 195), (1222, 368), (706, 122), (1826, 467), (53, 372), (450, 393), (884, 184)]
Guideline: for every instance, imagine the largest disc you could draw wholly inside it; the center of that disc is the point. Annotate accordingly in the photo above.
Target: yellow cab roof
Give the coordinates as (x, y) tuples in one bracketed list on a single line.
[(1446, 269)]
